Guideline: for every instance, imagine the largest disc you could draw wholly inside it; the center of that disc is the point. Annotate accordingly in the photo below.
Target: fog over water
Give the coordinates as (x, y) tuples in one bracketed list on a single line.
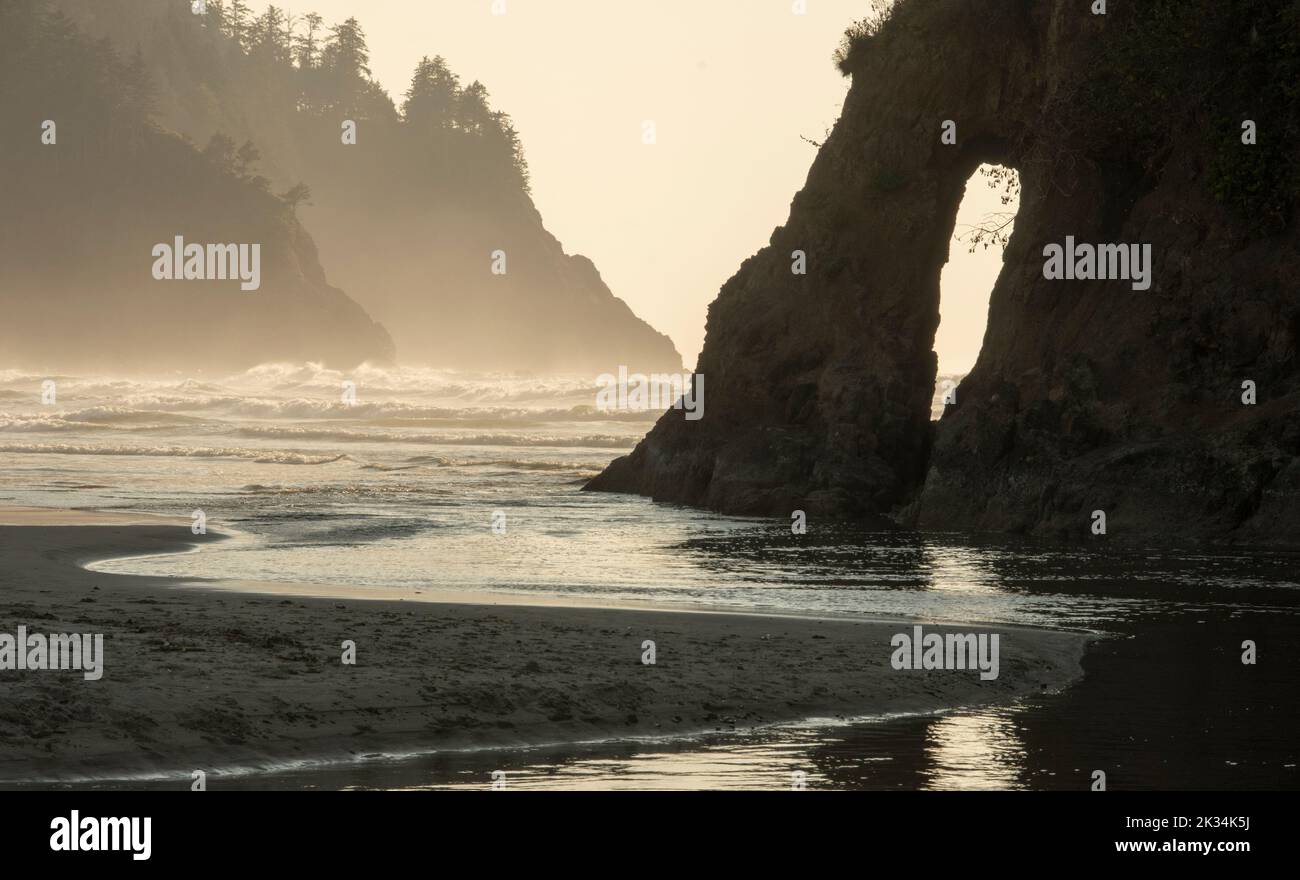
[(399, 491)]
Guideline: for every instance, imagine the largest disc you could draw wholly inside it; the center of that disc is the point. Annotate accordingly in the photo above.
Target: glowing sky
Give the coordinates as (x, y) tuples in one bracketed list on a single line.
[(731, 85)]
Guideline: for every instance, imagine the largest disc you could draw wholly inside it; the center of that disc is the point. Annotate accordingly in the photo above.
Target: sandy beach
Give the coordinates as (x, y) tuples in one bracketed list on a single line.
[(200, 678)]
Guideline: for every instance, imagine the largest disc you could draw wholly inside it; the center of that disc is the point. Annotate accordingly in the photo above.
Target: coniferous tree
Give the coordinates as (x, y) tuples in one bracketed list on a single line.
[(473, 115), (268, 36), (431, 101), (289, 28), (306, 47), (216, 17), (511, 148), (238, 23), (345, 62), (347, 53)]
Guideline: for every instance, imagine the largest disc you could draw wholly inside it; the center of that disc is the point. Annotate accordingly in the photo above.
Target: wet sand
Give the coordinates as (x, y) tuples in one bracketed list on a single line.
[(199, 678)]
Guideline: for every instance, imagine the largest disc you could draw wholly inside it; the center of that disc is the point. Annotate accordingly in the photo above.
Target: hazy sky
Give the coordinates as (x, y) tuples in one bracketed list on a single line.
[(730, 85)]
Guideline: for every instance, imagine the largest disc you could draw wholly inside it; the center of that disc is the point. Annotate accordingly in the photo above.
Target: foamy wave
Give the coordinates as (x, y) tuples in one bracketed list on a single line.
[(45, 424), (592, 441), (121, 415), (260, 456), (351, 490), (143, 407), (96, 419), (599, 441), (449, 389), (520, 465), (29, 384), (477, 388), (313, 392)]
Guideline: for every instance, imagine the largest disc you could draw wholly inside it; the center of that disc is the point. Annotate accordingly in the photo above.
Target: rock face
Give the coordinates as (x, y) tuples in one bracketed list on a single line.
[(1087, 395), (82, 214), (407, 223), (77, 250)]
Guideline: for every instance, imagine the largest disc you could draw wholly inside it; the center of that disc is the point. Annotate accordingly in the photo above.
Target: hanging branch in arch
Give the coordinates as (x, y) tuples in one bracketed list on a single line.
[(994, 229)]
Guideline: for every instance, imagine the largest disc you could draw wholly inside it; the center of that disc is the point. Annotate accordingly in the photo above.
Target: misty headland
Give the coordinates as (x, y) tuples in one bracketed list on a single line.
[(221, 128)]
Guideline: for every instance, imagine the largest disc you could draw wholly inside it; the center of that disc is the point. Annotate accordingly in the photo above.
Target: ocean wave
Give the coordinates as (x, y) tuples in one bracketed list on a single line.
[(387, 397), (120, 415), (481, 388), (259, 456), (525, 465), (92, 386), (435, 460), (396, 413), (600, 441), (307, 389), (104, 418), (299, 377), (350, 490), (43, 424)]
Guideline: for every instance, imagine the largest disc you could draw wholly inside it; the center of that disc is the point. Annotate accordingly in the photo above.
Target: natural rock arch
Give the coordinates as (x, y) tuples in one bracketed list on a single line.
[(819, 386)]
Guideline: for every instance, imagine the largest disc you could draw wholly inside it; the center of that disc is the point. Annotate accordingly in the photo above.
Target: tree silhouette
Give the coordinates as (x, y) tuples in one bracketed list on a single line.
[(473, 115), (295, 195), (347, 53), (345, 61), (269, 38), (238, 21), (432, 100), (306, 48)]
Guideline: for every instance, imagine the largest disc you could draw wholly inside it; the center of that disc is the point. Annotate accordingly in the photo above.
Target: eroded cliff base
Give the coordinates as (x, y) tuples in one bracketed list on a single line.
[(1175, 409)]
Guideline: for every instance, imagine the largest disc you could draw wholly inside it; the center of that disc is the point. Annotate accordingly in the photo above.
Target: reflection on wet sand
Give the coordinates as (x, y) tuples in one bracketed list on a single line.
[(977, 749), (974, 751), (970, 749), (1165, 701)]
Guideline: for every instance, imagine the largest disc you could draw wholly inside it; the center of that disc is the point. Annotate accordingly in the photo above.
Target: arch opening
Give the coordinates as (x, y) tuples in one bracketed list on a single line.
[(985, 220)]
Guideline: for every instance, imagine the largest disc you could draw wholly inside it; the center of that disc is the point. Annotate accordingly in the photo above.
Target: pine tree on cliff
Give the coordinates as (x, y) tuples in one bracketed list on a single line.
[(306, 47), (269, 37), (433, 100), (346, 53), (506, 149), (238, 21), (112, 181), (473, 115), (346, 61), (216, 17)]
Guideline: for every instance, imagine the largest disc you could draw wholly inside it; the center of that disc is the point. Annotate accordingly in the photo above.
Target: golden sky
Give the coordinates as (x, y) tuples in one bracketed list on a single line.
[(731, 85)]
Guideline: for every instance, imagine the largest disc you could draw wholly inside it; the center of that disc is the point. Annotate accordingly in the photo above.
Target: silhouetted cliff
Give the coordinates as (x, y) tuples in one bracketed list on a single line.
[(409, 217), (91, 187), (1088, 394)]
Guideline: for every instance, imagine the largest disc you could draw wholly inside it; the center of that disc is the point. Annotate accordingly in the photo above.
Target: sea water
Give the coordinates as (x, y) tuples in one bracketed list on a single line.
[(441, 481), (417, 482)]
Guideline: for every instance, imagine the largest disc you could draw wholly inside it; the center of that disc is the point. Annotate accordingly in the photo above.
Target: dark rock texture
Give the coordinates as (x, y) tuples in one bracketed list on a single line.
[(1087, 395)]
